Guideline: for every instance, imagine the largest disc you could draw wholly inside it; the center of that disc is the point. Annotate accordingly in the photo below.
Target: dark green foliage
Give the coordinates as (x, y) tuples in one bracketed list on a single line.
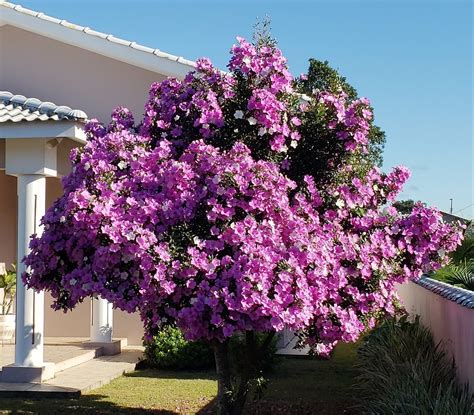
[(319, 152), (317, 147), (169, 350), (465, 252), (403, 371), (404, 206), (460, 271), (322, 77), (461, 274)]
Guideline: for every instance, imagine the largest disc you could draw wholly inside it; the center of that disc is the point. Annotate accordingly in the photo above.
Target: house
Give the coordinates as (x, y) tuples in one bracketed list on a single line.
[(54, 75)]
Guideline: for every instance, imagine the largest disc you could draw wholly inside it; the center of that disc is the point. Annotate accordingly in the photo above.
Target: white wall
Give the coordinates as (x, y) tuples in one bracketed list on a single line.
[(448, 321), (36, 66), (76, 323), (49, 70)]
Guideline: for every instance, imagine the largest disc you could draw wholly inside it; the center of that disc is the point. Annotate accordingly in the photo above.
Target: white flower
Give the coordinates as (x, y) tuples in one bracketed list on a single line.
[(340, 203), (252, 121), (87, 166), (238, 114), (164, 135), (236, 130), (271, 130), (176, 117), (62, 219), (196, 240), (246, 60), (441, 253), (294, 143), (262, 131), (130, 236), (205, 126), (122, 165)]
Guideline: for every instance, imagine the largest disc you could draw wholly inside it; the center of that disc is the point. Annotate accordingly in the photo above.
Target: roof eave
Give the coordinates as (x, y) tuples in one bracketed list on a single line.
[(100, 43), (73, 130)]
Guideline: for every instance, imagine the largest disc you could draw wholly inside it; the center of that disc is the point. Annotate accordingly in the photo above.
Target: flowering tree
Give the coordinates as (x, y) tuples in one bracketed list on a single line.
[(203, 216)]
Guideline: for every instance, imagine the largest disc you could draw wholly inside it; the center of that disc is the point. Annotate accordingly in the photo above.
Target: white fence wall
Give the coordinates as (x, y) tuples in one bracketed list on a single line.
[(451, 320)]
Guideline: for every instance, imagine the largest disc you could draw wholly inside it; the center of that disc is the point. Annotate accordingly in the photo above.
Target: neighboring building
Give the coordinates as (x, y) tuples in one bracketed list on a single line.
[(45, 60), (450, 218)]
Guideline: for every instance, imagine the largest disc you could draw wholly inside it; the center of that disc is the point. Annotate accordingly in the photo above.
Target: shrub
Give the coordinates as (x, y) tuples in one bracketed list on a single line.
[(465, 252), (169, 350), (462, 274), (403, 371)]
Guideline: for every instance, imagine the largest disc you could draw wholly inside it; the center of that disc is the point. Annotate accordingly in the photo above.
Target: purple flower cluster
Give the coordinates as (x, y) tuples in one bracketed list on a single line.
[(351, 121), (250, 101), (219, 240)]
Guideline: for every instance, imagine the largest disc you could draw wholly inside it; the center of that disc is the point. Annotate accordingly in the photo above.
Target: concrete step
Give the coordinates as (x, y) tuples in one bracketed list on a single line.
[(92, 351), (71, 382), (77, 360)]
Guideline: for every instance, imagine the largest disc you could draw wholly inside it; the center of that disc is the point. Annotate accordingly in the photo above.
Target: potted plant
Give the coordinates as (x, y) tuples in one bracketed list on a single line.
[(7, 295)]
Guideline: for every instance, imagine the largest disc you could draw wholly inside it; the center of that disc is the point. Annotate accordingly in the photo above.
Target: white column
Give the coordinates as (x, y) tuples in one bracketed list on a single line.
[(101, 321), (29, 305)]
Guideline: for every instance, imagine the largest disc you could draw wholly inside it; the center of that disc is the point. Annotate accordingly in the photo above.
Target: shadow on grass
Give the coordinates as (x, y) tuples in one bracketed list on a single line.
[(85, 405)]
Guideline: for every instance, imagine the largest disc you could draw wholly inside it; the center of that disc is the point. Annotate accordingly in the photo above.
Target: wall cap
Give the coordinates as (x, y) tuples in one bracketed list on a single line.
[(458, 295)]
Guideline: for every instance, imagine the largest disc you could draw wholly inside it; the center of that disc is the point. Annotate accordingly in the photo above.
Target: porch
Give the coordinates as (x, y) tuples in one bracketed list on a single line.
[(78, 367), (35, 141)]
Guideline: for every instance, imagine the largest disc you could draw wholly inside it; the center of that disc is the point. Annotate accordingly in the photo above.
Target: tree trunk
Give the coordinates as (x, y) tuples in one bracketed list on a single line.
[(224, 386), (230, 402)]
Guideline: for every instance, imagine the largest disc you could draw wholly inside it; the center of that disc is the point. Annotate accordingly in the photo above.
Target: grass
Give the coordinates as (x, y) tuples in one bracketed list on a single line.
[(297, 386)]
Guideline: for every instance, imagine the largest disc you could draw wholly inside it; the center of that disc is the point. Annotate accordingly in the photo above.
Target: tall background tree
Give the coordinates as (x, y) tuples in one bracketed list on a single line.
[(322, 78)]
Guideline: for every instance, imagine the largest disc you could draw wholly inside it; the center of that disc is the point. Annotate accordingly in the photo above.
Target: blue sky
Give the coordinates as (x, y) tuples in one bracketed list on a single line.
[(412, 59)]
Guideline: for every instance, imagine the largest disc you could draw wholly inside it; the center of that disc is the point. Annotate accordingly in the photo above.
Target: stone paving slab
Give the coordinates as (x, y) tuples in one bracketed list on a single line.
[(97, 372), (72, 382)]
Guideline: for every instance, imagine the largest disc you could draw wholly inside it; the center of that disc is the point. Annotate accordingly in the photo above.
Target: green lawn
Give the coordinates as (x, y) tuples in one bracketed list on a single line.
[(297, 386)]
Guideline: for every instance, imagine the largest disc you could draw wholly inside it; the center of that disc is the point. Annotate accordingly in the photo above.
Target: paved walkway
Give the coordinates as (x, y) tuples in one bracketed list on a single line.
[(56, 350), (78, 379)]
